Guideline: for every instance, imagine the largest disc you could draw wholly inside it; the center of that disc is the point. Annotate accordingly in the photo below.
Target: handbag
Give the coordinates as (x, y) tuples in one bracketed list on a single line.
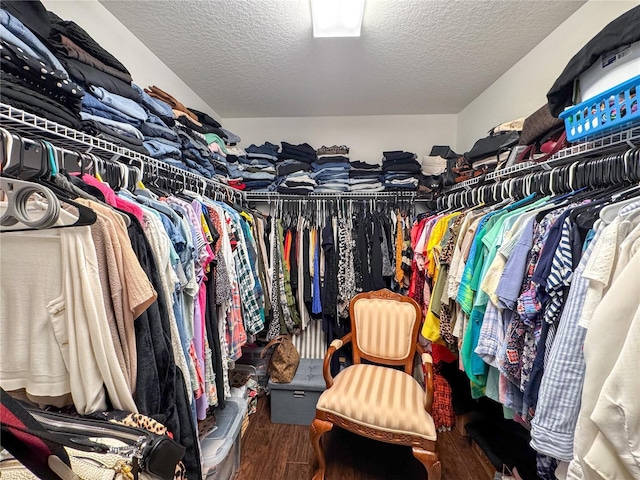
[(284, 361), (538, 124), (443, 151), (493, 145), (81, 448), (544, 149)]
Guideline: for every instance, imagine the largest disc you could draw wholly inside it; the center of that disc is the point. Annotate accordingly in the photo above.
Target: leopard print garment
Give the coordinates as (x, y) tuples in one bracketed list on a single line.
[(445, 260), (142, 421)]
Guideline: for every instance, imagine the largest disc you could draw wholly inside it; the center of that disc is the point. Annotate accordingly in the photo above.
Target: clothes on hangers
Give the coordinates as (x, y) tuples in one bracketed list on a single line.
[(154, 299), (512, 290)]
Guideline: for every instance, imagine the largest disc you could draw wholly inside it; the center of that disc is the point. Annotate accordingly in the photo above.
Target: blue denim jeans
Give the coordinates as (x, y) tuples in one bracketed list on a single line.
[(125, 128), (156, 107), (121, 104), (92, 105), (155, 130), (157, 148)]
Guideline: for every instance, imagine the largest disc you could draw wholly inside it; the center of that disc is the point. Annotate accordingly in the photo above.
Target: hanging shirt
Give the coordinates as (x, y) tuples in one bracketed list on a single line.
[(317, 303)]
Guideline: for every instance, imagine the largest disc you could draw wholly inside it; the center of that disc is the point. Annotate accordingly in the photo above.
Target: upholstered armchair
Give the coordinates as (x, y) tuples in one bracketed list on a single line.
[(376, 401)]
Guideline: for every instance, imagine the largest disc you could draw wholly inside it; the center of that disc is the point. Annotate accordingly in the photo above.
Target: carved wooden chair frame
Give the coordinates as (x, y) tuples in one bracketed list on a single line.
[(424, 450)]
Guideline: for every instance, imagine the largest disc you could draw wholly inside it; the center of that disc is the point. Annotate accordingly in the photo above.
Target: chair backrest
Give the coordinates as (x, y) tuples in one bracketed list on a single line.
[(384, 328)]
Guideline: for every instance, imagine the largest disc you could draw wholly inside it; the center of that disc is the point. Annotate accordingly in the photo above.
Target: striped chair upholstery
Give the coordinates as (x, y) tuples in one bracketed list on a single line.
[(377, 396), (384, 327), (381, 398)]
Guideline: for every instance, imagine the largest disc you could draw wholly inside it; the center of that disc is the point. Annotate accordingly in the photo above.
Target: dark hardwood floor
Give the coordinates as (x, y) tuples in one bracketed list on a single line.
[(283, 452)]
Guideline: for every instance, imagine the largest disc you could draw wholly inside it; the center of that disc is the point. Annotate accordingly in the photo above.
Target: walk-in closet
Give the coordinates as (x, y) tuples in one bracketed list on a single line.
[(319, 240)]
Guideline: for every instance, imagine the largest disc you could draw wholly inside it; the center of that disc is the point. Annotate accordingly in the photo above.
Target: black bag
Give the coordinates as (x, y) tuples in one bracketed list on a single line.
[(621, 31), (155, 455), (493, 145), (443, 151)]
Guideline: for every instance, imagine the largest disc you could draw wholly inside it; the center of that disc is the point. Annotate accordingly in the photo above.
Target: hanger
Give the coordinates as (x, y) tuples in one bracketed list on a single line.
[(18, 193), (609, 213)]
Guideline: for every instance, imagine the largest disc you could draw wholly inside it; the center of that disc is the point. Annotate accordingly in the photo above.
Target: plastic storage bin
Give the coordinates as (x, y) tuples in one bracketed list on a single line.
[(251, 356), (610, 70), (295, 403), (221, 448), (617, 107)]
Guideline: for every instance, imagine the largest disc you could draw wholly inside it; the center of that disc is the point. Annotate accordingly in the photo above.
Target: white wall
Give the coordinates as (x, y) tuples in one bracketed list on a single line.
[(145, 67), (523, 88), (366, 136)]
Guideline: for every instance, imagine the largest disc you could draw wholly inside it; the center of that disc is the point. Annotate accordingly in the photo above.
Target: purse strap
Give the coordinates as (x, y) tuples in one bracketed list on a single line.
[(275, 342)]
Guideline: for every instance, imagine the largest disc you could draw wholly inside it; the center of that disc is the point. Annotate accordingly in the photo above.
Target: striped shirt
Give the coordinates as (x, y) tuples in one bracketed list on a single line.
[(557, 282), (553, 427)]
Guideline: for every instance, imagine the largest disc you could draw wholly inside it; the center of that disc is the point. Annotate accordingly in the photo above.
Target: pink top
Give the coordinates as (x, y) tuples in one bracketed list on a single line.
[(111, 197)]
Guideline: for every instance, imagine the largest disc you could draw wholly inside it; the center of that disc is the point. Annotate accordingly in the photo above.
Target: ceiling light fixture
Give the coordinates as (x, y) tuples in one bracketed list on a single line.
[(337, 18)]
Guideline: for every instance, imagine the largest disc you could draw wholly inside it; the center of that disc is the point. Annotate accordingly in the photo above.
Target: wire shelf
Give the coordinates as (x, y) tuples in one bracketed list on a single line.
[(266, 196), (35, 127), (591, 147)]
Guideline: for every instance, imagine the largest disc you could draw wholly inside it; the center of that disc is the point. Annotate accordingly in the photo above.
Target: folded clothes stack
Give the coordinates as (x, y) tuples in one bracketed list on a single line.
[(195, 151), (294, 169), (54, 68), (85, 59), (331, 169), (365, 177), (234, 153), (297, 183), (33, 79), (303, 152), (220, 153), (257, 166), (115, 111), (401, 170)]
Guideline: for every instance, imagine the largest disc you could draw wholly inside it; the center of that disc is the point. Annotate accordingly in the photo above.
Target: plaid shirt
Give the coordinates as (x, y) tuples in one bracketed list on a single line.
[(253, 319), (235, 332)]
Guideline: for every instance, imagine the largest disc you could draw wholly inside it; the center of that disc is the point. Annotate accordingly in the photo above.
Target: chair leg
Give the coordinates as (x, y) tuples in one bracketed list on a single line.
[(317, 429), (430, 461)]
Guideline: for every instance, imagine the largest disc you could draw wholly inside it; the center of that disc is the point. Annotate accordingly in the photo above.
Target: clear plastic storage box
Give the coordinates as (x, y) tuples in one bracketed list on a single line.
[(251, 356), (221, 448), (610, 70)]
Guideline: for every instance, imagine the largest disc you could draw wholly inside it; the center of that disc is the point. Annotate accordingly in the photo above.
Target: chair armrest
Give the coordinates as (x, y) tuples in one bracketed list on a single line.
[(337, 344), (427, 363)]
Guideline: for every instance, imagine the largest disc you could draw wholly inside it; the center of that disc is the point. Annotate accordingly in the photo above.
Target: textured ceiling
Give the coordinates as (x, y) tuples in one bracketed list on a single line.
[(258, 58)]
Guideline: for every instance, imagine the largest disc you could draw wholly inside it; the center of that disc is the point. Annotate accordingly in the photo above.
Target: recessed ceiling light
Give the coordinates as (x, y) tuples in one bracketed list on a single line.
[(337, 18)]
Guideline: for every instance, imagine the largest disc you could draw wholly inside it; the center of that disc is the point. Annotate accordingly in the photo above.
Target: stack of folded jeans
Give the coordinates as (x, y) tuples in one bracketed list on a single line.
[(258, 166), (365, 177), (195, 151), (161, 139), (401, 170), (294, 169), (331, 169), (118, 113), (300, 174)]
